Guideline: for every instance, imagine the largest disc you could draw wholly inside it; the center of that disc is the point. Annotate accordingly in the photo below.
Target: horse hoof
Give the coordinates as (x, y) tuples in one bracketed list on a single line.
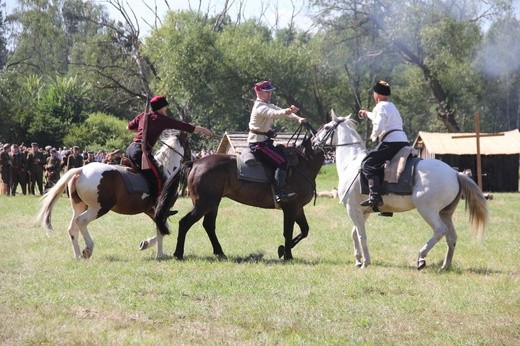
[(281, 251), (221, 256), (86, 253), (143, 245), (359, 264), (178, 257), (421, 264)]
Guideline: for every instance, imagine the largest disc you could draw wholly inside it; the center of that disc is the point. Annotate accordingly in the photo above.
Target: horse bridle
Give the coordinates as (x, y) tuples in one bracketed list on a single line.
[(330, 135), (174, 150)]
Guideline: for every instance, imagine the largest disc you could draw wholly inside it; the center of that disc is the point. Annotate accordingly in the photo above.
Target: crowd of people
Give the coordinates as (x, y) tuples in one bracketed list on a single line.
[(33, 169)]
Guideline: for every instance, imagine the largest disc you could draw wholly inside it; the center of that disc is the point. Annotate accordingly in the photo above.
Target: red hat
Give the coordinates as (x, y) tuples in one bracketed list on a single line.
[(158, 102), (264, 86)]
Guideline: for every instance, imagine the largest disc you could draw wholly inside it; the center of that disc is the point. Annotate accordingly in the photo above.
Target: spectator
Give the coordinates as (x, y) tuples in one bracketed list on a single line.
[(20, 168), (75, 159), (36, 161), (6, 168)]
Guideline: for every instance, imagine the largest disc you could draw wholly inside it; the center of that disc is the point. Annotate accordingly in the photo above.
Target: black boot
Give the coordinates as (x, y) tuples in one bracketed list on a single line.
[(374, 198), (281, 195)]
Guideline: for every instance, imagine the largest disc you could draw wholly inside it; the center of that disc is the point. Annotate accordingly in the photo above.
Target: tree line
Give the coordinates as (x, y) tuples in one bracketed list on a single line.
[(72, 75)]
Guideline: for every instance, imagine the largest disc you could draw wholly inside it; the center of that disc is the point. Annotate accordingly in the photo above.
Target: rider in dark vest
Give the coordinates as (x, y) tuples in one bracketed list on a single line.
[(263, 115), (387, 128), (157, 122)]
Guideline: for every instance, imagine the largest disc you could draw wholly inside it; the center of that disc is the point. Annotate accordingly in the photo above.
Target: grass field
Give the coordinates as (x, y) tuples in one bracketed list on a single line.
[(124, 296)]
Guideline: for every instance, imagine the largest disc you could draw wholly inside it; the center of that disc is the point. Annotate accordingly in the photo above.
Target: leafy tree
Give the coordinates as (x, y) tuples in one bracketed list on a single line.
[(424, 34), (42, 47), (99, 131), (47, 110), (3, 39)]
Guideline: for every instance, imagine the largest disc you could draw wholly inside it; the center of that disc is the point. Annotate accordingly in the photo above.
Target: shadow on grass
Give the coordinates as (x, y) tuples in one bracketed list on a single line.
[(252, 258)]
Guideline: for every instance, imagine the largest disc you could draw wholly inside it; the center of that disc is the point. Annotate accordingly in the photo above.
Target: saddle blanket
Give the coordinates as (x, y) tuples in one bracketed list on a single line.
[(135, 183), (251, 169), (404, 186)]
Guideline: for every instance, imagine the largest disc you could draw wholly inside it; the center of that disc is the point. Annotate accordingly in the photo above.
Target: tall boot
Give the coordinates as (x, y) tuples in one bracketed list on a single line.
[(281, 195), (374, 198)]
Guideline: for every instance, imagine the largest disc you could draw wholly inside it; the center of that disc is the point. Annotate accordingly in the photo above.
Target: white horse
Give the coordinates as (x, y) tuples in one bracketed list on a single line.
[(97, 188), (436, 192)]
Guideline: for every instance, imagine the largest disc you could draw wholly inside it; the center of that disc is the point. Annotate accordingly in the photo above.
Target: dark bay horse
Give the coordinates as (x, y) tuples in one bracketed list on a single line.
[(215, 176), (97, 188)]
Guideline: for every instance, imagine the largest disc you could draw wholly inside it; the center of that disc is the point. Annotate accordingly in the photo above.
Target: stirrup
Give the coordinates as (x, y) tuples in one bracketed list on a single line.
[(284, 197)]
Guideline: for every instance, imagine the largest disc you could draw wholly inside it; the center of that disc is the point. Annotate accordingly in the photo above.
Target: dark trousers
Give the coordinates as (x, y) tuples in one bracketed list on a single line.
[(36, 179), (153, 175), (19, 177), (373, 164)]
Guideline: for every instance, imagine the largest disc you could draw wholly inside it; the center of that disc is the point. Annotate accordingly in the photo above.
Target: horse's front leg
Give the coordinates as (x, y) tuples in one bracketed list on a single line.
[(357, 248), (358, 218), (289, 217), (301, 220)]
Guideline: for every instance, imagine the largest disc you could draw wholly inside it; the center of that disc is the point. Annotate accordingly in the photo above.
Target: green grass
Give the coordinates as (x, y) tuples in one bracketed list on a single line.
[(123, 296)]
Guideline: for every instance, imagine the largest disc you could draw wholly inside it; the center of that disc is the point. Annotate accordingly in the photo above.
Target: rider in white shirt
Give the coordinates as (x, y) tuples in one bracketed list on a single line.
[(388, 130)]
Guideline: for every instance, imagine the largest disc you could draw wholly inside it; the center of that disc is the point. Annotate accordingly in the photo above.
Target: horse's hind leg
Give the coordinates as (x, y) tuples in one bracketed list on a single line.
[(77, 209), (73, 236), (439, 230), (209, 224), (451, 238), (82, 221)]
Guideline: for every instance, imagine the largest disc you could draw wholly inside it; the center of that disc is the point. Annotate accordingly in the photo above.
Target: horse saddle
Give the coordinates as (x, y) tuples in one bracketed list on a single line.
[(399, 174), (135, 182), (251, 169)]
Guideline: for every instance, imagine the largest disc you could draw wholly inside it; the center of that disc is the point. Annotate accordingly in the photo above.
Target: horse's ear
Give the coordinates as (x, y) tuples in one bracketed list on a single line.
[(333, 115)]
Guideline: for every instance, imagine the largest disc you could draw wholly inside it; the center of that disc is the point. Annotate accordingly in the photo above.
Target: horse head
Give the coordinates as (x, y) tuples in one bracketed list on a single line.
[(340, 131), (172, 152)]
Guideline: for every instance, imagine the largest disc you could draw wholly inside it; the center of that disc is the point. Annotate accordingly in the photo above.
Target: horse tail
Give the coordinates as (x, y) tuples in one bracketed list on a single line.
[(184, 178), (166, 200), (476, 202), (51, 197)]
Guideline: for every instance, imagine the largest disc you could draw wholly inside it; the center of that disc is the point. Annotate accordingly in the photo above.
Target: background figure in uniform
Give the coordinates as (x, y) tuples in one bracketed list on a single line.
[(388, 130), (6, 167), (36, 161), (261, 145), (52, 169), (75, 159), (157, 122), (19, 172)]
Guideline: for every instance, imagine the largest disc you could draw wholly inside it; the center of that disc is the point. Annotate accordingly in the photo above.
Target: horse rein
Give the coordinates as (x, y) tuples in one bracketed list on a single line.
[(330, 135), (174, 150)]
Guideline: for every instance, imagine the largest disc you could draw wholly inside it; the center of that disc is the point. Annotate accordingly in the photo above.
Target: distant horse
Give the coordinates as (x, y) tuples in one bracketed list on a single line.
[(436, 193), (215, 176), (97, 188)]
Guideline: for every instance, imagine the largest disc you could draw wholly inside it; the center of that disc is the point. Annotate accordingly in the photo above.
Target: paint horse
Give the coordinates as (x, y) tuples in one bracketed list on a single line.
[(435, 194), (97, 188), (215, 176)]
